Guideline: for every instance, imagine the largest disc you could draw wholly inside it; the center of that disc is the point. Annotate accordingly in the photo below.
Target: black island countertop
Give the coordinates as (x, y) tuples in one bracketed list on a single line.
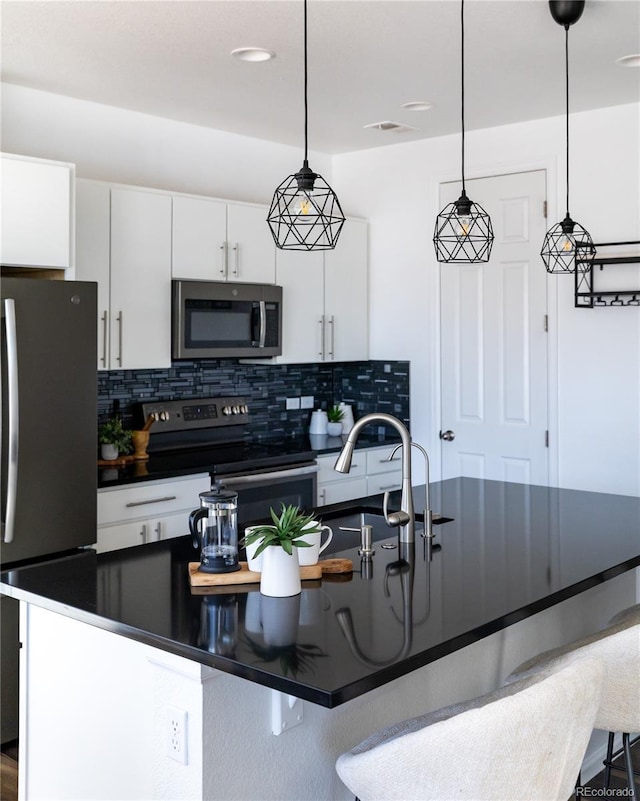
[(509, 551)]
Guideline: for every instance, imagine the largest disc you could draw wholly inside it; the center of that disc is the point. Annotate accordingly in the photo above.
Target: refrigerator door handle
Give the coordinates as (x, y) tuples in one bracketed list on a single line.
[(12, 408)]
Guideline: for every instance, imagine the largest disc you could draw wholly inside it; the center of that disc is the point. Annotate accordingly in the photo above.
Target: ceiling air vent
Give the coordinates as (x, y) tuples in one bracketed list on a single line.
[(387, 125)]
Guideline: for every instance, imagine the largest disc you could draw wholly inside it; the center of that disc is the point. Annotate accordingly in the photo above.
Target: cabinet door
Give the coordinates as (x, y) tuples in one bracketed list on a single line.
[(199, 249), (346, 295), (251, 250), (176, 525), (92, 252), (140, 279), (301, 278), (347, 490), (36, 212), (384, 482), (123, 535)]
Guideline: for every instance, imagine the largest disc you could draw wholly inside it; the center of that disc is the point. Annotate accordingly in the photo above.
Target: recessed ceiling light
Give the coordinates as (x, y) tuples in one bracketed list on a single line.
[(629, 61), (253, 54), (417, 105)]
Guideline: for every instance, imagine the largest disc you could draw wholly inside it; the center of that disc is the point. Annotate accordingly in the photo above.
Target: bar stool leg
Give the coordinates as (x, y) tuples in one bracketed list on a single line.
[(607, 762), (629, 766)]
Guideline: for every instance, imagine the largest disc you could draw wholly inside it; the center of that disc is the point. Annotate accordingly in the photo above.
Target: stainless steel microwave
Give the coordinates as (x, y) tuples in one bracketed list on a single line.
[(218, 319)]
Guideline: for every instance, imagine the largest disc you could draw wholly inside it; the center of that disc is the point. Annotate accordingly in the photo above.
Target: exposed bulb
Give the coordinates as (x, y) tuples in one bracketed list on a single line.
[(463, 227), (566, 245), (302, 204)]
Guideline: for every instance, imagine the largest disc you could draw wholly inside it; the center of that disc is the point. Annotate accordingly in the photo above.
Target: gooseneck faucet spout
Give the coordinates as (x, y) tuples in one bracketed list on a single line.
[(404, 519)]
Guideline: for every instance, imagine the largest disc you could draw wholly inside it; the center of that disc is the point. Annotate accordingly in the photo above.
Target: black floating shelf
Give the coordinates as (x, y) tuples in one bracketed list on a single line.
[(587, 296)]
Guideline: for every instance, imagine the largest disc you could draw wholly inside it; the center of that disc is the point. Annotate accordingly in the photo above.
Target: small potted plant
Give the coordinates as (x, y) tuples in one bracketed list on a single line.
[(114, 439), (334, 416), (279, 542)]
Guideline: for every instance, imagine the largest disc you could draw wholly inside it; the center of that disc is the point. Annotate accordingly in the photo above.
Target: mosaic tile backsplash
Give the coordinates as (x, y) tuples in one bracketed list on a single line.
[(372, 386)]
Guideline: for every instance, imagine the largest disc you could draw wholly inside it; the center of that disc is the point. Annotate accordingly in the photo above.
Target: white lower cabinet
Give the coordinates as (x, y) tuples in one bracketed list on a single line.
[(370, 474), (147, 512)]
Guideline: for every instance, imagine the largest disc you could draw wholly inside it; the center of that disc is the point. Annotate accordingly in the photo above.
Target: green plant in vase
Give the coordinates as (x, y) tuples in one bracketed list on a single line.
[(334, 417), (114, 439), (278, 542)]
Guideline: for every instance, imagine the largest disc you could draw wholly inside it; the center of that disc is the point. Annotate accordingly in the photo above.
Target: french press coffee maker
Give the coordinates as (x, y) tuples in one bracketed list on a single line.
[(217, 537)]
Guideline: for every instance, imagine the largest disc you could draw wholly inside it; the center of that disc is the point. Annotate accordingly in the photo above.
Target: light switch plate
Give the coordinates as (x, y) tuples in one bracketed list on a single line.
[(307, 402), (293, 403)]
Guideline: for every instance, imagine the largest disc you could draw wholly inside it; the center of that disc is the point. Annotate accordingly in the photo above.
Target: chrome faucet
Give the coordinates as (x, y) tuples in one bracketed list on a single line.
[(404, 519), (427, 531)]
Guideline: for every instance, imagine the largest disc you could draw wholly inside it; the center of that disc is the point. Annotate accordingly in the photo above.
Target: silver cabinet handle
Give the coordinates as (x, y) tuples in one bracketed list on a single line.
[(231, 482), (119, 356), (13, 414), (236, 259), (151, 500), (321, 324), (332, 338), (104, 319), (143, 532), (393, 459), (158, 531), (223, 259), (323, 496), (263, 323), (390, 487)]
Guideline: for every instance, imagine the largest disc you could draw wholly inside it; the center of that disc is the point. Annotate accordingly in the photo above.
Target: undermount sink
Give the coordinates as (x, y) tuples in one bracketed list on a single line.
[(357, 516)]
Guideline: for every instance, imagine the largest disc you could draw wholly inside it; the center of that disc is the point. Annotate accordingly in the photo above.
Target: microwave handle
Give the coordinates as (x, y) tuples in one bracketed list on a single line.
[(263, 324)]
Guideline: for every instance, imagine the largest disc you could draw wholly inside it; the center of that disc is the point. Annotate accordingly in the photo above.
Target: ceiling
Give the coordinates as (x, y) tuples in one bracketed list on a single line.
[(366, 58)]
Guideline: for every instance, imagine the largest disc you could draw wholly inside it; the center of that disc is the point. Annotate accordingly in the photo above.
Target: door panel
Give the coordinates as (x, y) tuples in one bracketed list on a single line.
[(493, 340)]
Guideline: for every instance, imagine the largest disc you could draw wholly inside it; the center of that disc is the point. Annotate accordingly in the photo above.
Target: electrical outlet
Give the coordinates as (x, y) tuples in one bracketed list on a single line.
[(307, 402), (176, 732), (293, 403)]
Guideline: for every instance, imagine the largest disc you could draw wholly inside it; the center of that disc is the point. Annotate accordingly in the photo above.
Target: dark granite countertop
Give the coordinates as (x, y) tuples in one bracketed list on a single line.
[(203, 460), (510, 551)]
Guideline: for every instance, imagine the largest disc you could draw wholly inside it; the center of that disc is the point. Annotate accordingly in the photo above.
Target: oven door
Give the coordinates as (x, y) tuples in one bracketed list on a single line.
[(258, 492)]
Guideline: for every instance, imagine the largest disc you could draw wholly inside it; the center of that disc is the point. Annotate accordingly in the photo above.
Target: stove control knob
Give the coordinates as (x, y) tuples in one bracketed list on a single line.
[(164, 416), (244, 408), (226, 410)]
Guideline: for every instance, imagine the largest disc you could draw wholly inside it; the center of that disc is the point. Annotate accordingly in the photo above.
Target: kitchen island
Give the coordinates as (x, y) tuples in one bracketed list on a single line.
[(118, 647)]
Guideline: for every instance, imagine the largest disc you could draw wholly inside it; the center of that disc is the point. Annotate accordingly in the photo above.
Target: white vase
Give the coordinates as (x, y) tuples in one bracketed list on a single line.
[(109, 452), (280, 575), (334, 429)]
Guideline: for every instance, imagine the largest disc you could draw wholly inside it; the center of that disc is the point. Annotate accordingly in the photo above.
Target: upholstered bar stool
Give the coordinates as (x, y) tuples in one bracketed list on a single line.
[(526, 740), (618, 647)]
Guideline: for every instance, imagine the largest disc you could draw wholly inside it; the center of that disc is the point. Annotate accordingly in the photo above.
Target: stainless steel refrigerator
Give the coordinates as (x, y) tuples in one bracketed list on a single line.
[(49, 438)]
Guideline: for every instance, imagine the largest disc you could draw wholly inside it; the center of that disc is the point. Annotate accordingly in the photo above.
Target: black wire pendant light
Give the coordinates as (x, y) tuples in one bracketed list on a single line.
[(463, 230), (567, 245), (305, 213)]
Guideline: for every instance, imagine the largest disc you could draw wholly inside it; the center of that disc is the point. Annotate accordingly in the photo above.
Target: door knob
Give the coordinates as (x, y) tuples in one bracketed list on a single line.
[(448, 435)]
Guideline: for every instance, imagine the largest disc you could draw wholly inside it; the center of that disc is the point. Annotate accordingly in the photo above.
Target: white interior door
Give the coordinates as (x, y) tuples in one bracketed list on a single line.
[(494, 340)]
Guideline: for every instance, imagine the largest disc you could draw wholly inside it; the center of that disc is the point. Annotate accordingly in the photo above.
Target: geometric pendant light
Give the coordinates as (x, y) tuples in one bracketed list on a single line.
[(567, 245), (305, 213), (463, 231)]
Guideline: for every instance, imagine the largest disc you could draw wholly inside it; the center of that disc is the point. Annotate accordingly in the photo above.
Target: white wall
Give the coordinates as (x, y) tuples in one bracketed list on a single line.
[(598, 351), (113, 144)]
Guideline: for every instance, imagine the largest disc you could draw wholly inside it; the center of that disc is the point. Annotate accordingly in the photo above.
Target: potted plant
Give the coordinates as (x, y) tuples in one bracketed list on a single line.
[(334, 416), (114, 439), (278, 542)]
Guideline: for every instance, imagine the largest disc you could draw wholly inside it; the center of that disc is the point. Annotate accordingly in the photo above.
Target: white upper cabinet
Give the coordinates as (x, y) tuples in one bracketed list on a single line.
[(218, 241), (123, 241), (93, 233), (346, 295), (140, 279), (37, 212), (325, 300)]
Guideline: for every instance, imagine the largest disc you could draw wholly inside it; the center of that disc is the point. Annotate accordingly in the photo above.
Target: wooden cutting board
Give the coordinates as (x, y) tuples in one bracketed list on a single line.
[(246, 576)]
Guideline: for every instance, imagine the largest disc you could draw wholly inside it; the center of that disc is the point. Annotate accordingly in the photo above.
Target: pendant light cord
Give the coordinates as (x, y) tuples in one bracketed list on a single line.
[(306, 110), (566, 67), (462, 83)]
